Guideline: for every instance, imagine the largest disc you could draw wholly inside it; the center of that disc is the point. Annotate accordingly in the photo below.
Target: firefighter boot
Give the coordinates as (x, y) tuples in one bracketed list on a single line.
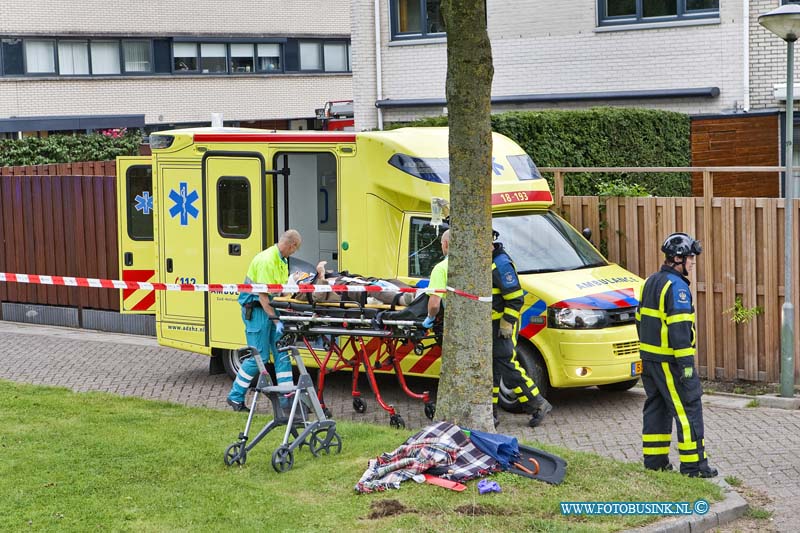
[(541, 407), (495, 416), (706, 472)]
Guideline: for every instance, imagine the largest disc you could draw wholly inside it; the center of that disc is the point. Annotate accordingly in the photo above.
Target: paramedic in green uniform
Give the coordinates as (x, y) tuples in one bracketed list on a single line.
[(261, 323)]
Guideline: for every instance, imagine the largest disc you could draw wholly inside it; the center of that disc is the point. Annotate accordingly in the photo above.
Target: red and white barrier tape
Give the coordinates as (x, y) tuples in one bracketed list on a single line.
[(219, 287)]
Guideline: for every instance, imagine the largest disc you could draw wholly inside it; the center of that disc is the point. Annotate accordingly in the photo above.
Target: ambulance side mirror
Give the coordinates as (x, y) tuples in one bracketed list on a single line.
[(587, 233)]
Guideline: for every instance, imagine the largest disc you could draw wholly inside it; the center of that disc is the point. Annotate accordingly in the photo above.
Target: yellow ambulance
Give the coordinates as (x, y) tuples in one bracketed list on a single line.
[(362, 202)]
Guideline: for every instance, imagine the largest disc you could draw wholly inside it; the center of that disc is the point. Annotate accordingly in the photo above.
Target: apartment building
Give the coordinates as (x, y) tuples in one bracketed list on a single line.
[(68, 66)]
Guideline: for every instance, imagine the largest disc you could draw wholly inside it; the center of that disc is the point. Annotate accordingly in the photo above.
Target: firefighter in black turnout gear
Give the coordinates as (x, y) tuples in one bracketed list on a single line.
[(665, 321), (507, 298)]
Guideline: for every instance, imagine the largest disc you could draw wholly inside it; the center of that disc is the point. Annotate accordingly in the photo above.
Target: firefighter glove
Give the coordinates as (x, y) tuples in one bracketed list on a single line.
[(688, 372), (428, 322), (506, 329)]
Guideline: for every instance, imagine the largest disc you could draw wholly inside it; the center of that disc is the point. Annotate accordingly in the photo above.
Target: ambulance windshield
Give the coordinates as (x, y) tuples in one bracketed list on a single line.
[(543, 242)]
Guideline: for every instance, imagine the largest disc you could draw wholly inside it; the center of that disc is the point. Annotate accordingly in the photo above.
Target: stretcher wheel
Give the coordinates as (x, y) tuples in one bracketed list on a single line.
[(326, 412), (430, 410), (397, 422), (323, 440), (235, 453), (419, 348), (359, 406), (282, 459)]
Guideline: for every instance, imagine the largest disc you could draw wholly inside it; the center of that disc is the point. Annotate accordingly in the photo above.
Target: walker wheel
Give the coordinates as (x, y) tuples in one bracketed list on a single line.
[(397, 422), (359, 406), (323, 440), (430, 410), (235, 453), (282, 459)]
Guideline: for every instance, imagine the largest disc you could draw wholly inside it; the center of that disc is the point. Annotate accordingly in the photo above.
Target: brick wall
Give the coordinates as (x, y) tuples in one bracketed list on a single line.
[(554, 47), (172, 99), (738, 140), (188, 17), (767, 58)]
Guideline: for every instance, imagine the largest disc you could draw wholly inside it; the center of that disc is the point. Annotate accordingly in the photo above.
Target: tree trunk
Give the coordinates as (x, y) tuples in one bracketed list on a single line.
[(465, 385)]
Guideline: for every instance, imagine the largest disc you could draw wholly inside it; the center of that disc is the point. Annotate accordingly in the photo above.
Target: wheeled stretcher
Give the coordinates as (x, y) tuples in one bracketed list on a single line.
[(305, 414), (354, 335)]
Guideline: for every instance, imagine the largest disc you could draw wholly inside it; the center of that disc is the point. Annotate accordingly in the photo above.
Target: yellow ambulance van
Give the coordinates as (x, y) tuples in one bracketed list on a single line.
[(362, 202)]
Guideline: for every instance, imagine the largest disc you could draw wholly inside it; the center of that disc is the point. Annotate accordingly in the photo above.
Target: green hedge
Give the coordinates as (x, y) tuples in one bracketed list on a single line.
[(601, 137), (69, 148)]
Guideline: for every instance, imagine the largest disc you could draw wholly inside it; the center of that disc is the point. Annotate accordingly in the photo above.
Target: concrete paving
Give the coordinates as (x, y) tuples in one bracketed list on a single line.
[(761, 446)]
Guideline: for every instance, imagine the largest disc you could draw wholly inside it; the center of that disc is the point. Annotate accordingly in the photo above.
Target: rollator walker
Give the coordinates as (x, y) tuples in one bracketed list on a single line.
[(305, 414)]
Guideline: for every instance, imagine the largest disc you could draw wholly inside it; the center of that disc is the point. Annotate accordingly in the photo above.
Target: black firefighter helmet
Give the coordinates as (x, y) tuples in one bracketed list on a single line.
[(681, 244)]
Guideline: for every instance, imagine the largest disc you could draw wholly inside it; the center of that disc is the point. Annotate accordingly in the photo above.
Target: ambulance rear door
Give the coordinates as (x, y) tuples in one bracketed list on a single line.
[(239, 219), (181, 314), (135, 232)]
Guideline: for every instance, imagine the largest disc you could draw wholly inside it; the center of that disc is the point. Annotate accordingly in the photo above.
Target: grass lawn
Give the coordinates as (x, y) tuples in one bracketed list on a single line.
[(98, 462)]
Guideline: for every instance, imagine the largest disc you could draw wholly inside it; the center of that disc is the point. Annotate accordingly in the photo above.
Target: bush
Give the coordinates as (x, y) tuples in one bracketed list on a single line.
[(69, 148), (601, 137)]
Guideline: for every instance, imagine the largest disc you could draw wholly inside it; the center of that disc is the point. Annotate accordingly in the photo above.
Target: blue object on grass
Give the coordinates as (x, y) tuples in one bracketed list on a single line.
[(503, 448), (485, 486)]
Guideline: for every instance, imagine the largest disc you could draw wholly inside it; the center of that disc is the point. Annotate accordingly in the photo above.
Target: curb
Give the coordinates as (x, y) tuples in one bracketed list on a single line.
[(732, 506), (740, 401)]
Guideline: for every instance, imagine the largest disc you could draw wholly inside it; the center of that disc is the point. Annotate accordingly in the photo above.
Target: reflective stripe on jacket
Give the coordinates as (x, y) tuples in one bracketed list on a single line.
[(665, 318), (507, 295)]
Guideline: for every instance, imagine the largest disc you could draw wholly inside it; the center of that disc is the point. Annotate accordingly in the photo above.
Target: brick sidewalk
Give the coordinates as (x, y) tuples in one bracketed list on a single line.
[(760, 446)]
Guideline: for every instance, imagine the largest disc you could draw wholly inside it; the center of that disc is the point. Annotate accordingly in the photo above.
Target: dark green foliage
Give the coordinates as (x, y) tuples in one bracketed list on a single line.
[(69, 148), (601, 137)]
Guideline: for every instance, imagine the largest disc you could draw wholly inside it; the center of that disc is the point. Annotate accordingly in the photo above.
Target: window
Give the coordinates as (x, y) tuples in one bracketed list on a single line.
[(242, 58), (12, 57), (424, 247), (73, 58), (185, 55), (136, 56), (105, 57), (310, 56), (335, 56), (641, 11), (213, 57), (417, 19), (269, 57), (40, 57), (233, 207), (139, 180)]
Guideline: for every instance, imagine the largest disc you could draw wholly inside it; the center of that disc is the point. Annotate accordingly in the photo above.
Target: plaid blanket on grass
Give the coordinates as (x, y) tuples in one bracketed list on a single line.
[(441, 449)]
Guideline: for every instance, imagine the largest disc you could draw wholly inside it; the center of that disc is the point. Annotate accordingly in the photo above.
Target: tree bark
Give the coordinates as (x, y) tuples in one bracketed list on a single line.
[(465, 383)]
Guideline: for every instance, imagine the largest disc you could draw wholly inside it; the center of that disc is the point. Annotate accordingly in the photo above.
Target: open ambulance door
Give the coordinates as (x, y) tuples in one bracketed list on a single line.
[(135, 232), (239, 225)]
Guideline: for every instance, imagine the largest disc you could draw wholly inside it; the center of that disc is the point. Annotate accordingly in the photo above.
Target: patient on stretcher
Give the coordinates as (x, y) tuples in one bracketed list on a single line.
[(389, 304)]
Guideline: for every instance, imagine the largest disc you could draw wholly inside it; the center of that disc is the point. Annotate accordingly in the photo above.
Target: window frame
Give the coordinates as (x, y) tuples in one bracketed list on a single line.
[(394, 16), (281, 58), (88, 58), (151, 58), (249, 205), (347, 59), (55, 57), (131, 208), (682, 14)]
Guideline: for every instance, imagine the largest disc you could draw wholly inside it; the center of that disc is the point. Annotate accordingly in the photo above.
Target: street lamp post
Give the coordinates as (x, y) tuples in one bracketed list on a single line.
[(785, 23)]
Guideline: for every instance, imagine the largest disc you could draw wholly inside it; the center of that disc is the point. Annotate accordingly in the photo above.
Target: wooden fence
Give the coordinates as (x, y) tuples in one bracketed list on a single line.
[(60, 220), (742, 257)]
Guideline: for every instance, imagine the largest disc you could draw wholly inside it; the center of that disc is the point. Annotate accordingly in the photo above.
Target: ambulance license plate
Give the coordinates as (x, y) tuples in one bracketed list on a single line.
[(636, 368)]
